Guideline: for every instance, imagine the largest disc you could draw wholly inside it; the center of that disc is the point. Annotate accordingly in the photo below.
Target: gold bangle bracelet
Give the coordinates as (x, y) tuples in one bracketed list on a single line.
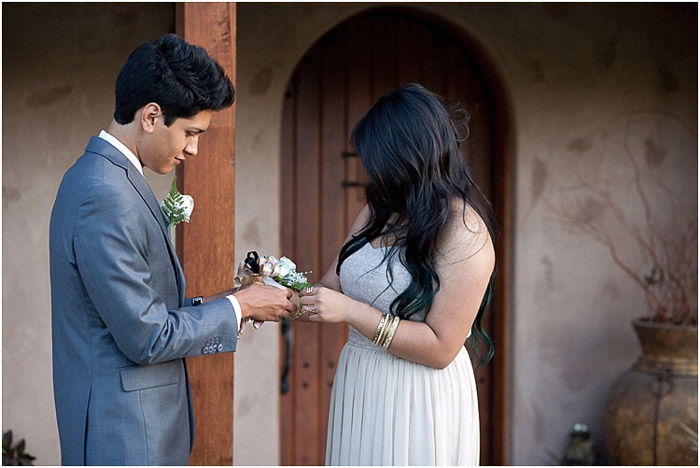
[(379, 328), (392, 332), (385, 330)]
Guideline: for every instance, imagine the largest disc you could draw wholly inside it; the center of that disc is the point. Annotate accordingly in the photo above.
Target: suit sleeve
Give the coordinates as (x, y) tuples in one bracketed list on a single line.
[(111, 253)]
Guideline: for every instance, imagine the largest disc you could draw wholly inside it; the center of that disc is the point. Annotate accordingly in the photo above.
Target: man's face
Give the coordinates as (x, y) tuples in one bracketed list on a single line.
[(167, 147)]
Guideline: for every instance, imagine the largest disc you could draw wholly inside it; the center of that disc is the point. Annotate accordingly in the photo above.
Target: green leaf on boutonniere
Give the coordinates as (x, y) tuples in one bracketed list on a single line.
[(176, 206)]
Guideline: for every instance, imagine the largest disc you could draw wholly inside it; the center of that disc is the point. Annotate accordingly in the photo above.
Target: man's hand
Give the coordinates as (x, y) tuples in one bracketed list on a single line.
[(265, 303)]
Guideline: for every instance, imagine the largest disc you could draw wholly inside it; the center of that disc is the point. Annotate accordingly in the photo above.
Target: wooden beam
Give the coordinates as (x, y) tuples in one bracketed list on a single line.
[(206, 245)]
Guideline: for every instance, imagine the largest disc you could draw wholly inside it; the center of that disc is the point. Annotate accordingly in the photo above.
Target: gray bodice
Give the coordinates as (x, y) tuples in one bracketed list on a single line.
[(364, 278)]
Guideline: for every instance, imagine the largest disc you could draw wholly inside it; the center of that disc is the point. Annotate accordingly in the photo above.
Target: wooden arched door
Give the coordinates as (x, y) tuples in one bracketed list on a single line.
[(332, 87)]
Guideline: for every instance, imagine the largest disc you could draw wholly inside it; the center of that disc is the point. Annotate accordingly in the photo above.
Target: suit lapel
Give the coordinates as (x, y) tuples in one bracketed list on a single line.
[(141, 186), (137, 180), (176, 262)]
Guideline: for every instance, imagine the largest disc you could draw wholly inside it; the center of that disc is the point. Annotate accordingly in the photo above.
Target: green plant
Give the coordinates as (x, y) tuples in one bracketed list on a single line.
[(14, 455)]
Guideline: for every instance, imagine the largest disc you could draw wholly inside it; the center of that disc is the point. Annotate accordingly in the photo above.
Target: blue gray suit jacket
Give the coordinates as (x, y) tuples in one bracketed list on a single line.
[(121, 325)]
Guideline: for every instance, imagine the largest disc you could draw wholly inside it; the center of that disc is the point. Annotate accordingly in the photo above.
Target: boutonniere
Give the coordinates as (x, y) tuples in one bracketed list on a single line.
[(176, 206)]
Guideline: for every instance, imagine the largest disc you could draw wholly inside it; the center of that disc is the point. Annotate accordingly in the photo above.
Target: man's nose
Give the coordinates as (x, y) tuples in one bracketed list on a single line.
[(191, 148)]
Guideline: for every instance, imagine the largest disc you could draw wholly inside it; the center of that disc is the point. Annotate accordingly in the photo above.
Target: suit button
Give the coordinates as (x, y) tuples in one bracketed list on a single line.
[(220, 348)]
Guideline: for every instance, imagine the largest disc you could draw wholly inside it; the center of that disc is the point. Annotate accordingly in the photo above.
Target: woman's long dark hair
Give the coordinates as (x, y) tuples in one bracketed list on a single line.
[(409, 148)]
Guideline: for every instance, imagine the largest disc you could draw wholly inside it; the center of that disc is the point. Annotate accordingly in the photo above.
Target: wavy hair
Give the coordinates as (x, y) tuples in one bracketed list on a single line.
[(410, 149), (182, 78)]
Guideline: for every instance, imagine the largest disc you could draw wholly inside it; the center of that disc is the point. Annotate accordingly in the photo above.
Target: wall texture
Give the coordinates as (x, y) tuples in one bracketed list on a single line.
[(586, 83), (59, 66)]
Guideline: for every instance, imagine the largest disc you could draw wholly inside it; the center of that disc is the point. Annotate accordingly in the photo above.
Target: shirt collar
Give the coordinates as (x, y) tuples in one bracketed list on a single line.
[(123, 149)]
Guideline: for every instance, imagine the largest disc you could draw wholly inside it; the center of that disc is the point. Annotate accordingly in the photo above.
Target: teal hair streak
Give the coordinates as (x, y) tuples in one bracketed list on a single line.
[(479, 335)]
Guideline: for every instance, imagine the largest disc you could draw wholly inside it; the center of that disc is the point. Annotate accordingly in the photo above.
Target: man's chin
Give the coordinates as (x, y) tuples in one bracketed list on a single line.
[(163, 170)]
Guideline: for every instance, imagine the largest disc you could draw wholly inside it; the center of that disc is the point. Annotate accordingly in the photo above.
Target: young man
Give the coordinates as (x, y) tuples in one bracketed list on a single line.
[(121, 324)]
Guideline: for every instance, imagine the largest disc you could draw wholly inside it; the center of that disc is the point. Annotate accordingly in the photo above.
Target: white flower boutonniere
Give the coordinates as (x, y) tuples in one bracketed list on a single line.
[(176, 206)]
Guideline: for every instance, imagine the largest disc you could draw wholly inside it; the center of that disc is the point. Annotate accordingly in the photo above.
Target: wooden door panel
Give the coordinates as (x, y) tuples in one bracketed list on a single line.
[(332, 88), (408, 47), (359, 45), (306, 384), (384, 71), (331, 200), (433, 50)]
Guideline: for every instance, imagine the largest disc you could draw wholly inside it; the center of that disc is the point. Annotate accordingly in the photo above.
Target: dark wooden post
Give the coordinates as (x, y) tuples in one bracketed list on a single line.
[(206, 245)]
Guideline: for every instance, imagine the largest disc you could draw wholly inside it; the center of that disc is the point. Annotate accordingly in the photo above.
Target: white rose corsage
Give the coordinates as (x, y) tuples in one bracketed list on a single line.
[(281, 273)]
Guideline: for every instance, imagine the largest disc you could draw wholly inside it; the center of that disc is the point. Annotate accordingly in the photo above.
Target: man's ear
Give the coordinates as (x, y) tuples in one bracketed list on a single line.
[(149, 116)]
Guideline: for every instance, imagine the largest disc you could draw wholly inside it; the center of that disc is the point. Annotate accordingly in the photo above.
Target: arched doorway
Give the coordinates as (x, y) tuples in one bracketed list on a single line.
[(332, 87)]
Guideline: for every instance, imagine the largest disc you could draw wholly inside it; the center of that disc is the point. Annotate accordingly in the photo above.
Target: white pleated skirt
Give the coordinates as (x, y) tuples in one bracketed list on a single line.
[(388, 411)]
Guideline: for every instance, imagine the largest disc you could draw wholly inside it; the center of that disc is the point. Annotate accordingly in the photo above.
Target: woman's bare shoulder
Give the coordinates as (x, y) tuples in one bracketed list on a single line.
[(361, 221), (466, 235)]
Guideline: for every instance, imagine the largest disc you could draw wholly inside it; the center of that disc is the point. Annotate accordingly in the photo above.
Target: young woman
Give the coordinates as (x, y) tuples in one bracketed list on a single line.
[(411, 281)]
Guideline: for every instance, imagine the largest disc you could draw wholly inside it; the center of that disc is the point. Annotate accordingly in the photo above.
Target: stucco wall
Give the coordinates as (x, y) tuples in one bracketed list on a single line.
[(59, 66), (576, 75), (583, 80)]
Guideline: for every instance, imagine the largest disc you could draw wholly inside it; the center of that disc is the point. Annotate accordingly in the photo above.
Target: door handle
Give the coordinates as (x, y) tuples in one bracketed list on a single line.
[(287, 334)]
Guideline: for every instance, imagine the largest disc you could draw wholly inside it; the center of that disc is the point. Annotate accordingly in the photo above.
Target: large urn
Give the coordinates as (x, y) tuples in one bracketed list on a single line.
[(651, 413)]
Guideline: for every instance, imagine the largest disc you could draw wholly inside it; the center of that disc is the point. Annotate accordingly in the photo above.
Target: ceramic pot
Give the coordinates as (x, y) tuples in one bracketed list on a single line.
[(651, 402)]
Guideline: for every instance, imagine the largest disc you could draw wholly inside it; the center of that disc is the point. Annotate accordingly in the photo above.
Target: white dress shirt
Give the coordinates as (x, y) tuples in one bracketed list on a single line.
[(122, 149), (112, 140)]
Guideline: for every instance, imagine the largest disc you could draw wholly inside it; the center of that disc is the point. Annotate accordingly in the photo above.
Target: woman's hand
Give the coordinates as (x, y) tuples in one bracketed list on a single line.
[(326, 305)]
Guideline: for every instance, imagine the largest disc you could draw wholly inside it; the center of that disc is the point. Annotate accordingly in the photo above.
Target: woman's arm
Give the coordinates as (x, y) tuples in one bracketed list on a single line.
[(464, 268)]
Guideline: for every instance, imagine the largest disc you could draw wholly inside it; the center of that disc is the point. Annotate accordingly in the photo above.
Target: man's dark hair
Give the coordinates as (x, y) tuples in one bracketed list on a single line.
[(182, 78)]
